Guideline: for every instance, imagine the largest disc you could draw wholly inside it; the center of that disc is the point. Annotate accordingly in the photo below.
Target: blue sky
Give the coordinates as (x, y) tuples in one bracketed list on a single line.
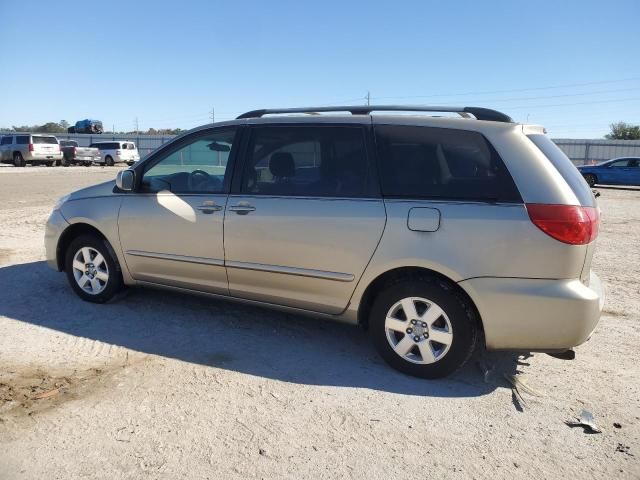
[(571, 66)]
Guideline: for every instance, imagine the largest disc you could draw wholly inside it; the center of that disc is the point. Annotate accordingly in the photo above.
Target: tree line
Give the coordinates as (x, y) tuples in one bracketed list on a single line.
[(619, 130), (62, 125)]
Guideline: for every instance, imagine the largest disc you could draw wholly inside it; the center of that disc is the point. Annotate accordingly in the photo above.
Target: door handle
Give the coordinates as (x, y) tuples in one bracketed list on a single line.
[(209, 207), (242, 209)]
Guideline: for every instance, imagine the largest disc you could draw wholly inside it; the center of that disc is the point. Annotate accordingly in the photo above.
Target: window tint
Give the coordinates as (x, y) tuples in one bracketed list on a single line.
[(634, 162), (22, 139), (424, 162), (46, 140), (68, 143), (620, 163), (197, 167), (306, 161), (6, 140)]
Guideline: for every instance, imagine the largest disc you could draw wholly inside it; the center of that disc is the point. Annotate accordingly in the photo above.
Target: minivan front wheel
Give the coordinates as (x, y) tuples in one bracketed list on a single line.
[(423, 327), (92, 270)]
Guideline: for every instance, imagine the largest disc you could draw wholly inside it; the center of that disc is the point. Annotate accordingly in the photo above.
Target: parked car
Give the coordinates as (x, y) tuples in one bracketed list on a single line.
[(434, 233), (618, 171), (86, 126), (73, 154), (23, 148), (117, 152)]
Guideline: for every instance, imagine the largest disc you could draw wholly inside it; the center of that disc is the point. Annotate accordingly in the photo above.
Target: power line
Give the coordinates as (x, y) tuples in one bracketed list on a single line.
[(567, 85)]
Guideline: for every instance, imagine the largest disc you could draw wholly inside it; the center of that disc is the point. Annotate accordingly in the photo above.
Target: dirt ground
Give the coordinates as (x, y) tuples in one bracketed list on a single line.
[(158, 385)]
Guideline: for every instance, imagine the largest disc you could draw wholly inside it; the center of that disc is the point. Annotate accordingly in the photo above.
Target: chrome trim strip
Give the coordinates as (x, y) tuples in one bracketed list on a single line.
[(177, 258), (301, 272)]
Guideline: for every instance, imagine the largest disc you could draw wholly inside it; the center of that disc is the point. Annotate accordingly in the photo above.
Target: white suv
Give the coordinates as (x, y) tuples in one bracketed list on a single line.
[(115, 152), (23, 148)]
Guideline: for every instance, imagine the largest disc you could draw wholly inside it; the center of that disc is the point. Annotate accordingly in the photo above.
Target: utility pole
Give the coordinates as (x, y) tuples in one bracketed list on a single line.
[(213, 115), (136, 124), (368, 97)]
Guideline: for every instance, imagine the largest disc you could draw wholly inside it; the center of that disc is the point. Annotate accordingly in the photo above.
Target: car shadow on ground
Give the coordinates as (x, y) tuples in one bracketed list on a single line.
[(227, 335)]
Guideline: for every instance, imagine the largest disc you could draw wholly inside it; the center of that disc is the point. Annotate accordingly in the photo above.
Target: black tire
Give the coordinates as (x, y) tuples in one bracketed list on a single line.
[(591, 179), (65, 161), (86, 164), (18, 161), (50, 164), (108, 161), (456, 307), (114, 282)]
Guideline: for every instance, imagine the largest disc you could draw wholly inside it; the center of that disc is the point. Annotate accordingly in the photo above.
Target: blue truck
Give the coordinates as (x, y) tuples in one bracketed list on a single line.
[(86, 126)]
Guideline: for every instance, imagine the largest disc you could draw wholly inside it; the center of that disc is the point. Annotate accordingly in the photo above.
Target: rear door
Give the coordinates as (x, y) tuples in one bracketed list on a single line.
[(634, 171), (305, 217)]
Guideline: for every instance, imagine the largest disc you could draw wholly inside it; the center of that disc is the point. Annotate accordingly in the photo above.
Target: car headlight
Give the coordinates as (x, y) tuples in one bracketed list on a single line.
[(60, 201)]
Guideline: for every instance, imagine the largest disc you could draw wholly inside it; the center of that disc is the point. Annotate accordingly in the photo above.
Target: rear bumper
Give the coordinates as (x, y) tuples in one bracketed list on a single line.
[(37, 157), (535, 314), (54, 228)]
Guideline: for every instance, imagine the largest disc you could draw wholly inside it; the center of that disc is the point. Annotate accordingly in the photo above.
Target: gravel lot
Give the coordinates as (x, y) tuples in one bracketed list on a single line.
[(158, 385)]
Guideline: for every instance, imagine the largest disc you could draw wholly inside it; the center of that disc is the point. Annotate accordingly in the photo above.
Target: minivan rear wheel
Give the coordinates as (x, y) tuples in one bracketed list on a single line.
[(423, 327), (92, 269), (109, 161)]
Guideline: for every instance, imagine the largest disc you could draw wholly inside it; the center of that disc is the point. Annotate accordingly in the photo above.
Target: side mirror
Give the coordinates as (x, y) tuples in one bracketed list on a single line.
[(125, 180)]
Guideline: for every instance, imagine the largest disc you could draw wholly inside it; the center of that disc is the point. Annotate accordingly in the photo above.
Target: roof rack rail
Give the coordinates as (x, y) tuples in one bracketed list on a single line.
[(478, 112)]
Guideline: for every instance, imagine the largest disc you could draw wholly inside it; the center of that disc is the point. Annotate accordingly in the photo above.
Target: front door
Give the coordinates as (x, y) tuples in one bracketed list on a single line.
[(171, 229), (306, 219)]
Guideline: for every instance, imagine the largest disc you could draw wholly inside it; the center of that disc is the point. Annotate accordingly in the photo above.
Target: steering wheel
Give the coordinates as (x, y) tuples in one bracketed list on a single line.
[(200, 180)]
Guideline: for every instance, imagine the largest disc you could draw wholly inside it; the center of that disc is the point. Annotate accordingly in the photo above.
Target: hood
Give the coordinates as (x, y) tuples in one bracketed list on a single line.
[(99, 190)]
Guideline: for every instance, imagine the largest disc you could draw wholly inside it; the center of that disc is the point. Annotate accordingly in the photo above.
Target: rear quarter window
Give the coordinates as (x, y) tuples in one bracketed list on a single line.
[(22, 139), (565, 167), (441, 163)]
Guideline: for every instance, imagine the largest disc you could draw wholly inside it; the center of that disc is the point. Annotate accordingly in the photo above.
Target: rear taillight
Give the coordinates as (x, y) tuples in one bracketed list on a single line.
[(31, 147), (570, 224)]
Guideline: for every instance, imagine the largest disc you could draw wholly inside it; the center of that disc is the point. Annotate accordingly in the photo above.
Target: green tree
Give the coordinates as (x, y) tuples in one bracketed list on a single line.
[(623, 131)]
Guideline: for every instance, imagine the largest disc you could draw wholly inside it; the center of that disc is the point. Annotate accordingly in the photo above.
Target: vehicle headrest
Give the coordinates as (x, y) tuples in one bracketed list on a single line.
[(281, 165)]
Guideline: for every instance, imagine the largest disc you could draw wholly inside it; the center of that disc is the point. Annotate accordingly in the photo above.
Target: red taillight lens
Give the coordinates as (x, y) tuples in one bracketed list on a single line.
[(31, 147), (570, 224)]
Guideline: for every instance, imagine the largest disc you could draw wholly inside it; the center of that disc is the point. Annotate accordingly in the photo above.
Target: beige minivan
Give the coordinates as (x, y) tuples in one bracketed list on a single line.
[(437, 234)]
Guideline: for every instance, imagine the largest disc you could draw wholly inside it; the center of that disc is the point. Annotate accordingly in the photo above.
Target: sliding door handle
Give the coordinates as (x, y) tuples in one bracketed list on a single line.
[(242, 209)]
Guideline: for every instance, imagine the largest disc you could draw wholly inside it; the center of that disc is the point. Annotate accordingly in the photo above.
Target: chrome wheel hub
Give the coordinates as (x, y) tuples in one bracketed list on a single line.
[(90, 270), (418, 330)]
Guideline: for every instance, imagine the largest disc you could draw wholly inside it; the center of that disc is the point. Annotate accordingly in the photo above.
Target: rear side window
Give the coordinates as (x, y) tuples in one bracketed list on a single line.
[(6, 140), (22, 139), (47, 140), (307, 161), (441, 163), (565, 167)]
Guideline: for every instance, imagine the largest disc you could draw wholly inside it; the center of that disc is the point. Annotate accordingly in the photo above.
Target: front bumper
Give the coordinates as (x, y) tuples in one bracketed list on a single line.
[(54, 228), (536, 314)]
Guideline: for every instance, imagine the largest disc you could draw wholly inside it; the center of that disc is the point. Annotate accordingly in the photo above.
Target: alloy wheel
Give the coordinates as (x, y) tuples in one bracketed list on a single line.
[(418, 330)]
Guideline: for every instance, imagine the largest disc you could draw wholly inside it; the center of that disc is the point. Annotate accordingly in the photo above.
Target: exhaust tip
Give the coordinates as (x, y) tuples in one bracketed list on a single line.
[(566, 355)]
